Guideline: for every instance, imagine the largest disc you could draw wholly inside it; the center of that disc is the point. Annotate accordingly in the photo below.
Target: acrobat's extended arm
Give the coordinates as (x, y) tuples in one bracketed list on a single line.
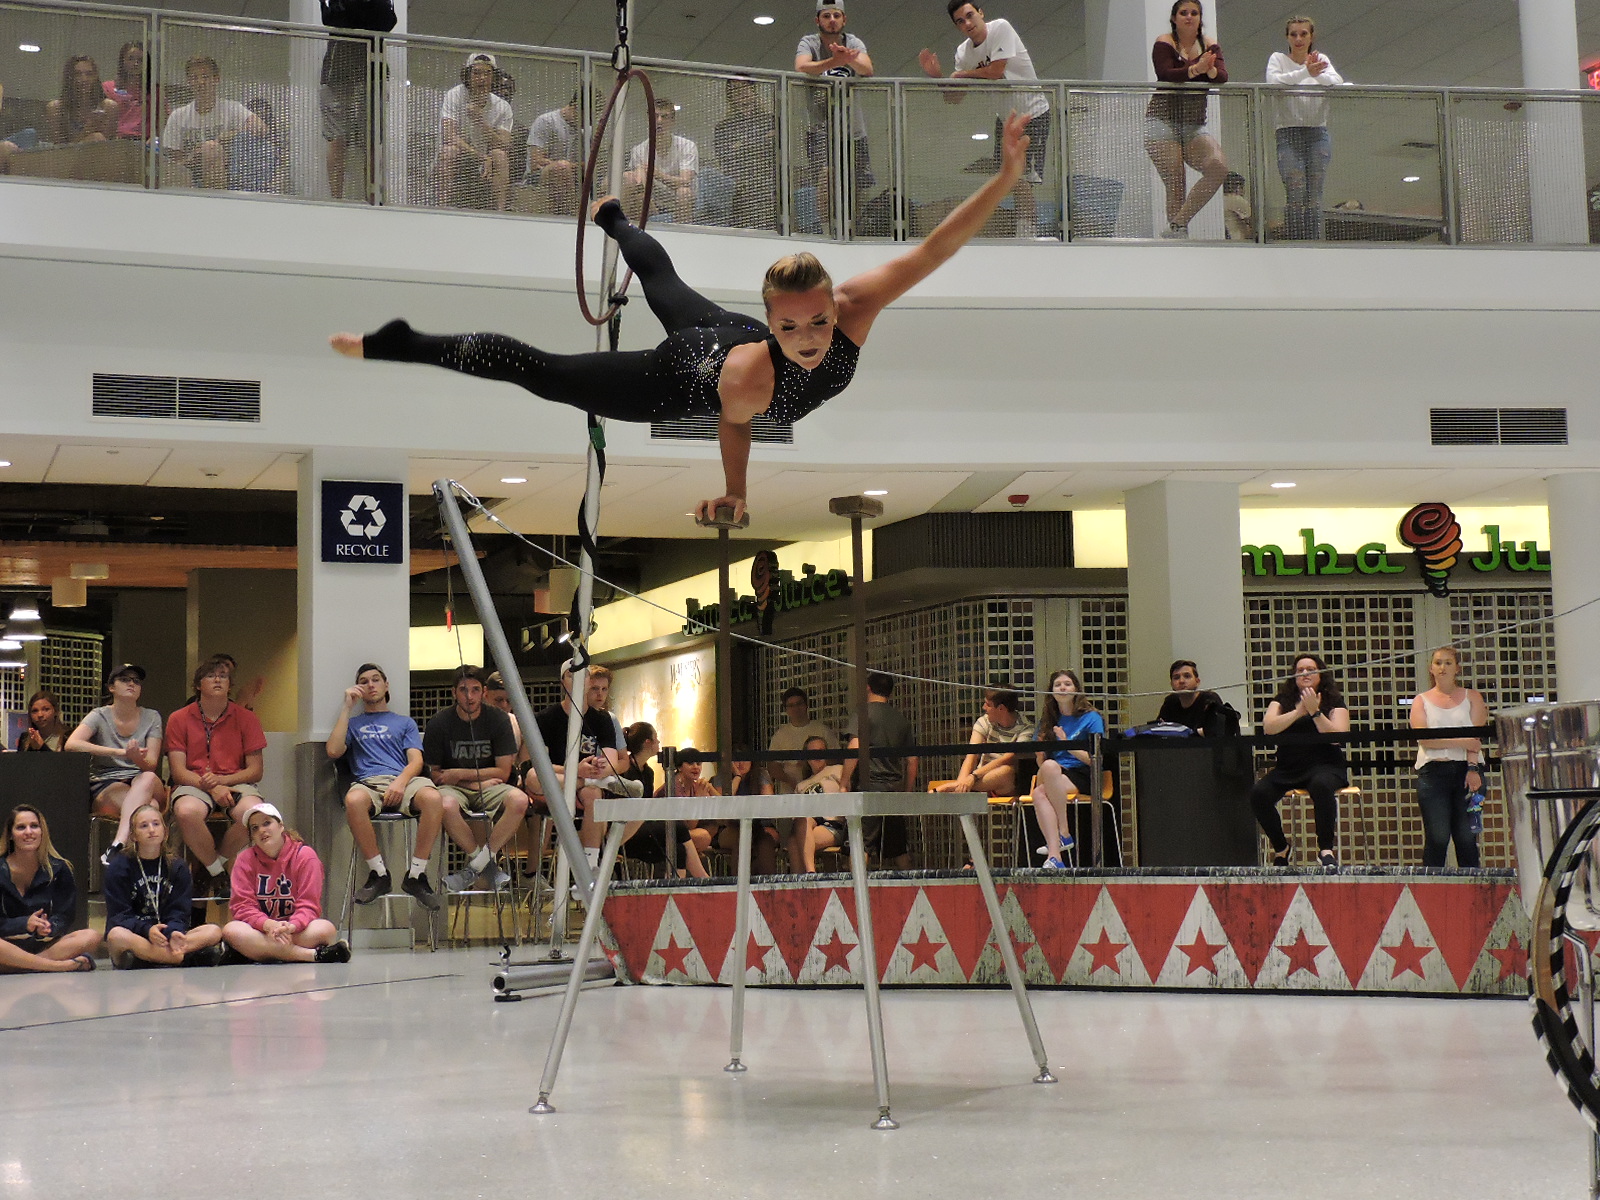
[(862, 298)]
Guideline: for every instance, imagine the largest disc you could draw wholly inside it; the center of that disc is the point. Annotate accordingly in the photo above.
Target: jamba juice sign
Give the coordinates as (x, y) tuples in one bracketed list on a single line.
[(1429, 531)]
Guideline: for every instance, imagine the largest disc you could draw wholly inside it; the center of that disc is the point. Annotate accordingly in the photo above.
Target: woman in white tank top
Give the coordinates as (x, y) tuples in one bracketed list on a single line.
[(1448, 769)]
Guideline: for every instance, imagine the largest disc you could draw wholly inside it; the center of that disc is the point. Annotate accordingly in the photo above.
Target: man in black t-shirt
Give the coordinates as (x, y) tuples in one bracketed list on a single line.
[(887, 729), (1203, 712), (600, 758)]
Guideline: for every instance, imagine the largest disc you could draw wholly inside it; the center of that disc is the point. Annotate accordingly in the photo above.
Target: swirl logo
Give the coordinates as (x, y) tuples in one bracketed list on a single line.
[(1432, 531), (763, 574)]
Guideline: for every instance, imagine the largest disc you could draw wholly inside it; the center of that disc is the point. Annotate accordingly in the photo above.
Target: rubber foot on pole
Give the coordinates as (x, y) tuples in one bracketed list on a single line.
[(735, 1067), (544, 1106), (885, 1121), (1044, 1076), (722, 518)]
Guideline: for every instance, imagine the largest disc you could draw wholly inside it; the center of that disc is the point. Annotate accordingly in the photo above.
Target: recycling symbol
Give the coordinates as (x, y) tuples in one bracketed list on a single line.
[(350, 517)]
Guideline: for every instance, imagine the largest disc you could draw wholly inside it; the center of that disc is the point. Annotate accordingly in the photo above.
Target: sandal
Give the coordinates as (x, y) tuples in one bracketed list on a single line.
[(1280, 858), (86, 959)]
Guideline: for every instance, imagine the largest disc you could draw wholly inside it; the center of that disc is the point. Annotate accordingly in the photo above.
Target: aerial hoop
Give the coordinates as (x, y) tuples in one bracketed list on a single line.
[(1554, 1022), (586, 191)]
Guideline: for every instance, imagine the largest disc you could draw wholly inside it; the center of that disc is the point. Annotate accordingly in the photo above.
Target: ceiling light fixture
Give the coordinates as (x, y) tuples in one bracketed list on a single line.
[(5, 462), (67, 592), (514, 479), (764, 20), (25, 625), (11, 657), (876, 492), (1283, 484), (980, 137), (1410, 178), (28, 48), (91, 570)]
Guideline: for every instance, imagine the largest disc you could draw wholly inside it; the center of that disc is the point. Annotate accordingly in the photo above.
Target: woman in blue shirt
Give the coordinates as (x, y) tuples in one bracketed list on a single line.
[(1063, 776)]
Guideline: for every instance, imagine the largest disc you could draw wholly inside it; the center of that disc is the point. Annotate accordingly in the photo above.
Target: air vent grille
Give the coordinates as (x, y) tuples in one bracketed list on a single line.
[(1498, 426), (171, 398), (704, 429)]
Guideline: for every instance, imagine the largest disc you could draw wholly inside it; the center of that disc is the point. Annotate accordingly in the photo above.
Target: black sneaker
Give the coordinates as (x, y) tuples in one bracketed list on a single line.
[(231, 957), (111, 852), (124, 960), (375, 886), (418, 887), (334, 952), (209, 956), (221, 889)]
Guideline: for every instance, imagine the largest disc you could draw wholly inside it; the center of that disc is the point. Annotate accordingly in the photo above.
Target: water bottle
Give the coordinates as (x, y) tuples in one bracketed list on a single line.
[(1475, 801)]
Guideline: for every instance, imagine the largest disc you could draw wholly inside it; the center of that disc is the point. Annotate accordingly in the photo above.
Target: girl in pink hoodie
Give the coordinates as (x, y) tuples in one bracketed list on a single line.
[(277, 897)]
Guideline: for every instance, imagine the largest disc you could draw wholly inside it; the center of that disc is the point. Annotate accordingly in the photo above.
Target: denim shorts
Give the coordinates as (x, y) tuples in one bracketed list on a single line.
[(1156, 129)]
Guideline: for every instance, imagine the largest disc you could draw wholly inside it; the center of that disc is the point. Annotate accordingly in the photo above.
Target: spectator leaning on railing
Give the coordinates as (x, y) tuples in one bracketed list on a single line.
[(1175, 121), (1449, 770), (832, 52), (1304, 144)]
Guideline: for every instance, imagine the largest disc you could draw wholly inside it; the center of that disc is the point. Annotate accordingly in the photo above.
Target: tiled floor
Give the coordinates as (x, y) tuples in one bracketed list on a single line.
[(397, 1076)]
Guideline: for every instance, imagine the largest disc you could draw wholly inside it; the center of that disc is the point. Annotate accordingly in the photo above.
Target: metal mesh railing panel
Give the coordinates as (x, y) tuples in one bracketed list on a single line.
[(1520, 166), (59, 131), (1381, 165), (952, 133), (871, 153), (815, 151)]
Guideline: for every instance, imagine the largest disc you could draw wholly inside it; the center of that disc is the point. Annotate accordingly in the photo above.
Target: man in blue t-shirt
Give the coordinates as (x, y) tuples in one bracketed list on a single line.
[(385, 760)]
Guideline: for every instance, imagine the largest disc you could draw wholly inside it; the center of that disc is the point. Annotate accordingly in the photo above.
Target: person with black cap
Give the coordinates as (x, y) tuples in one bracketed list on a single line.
[(124, 742)]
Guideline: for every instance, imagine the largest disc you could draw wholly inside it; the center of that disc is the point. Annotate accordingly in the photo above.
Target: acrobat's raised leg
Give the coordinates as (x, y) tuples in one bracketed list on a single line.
[(675, 304)]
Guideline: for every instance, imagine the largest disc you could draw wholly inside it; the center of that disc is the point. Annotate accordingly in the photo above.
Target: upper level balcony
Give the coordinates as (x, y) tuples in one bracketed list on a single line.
[(778, 153)]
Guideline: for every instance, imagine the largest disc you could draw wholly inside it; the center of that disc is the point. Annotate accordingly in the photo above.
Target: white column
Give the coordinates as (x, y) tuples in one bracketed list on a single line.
[(1549, 30), (1185, 588), (350, 613), (1574, 579)]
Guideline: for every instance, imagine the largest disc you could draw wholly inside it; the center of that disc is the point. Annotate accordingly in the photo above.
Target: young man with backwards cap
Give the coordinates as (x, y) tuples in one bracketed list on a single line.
[(475, 132), (832, 52)]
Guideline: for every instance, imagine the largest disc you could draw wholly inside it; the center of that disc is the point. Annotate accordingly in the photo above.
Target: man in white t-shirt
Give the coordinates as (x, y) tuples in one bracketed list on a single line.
[(994, 50), (197, 135), (792, 736), (677, 161), (555, 156), (475, 136)]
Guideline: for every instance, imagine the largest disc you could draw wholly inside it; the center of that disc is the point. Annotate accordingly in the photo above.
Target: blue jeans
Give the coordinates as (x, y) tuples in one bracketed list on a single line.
[(1303, 155), (1442, 795)]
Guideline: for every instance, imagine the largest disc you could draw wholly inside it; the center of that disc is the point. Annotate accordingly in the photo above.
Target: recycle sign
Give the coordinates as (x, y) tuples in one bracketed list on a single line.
[(350, 517)]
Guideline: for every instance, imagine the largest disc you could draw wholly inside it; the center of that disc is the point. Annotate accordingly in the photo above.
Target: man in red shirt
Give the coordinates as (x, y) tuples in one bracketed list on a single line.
[(214, 753)]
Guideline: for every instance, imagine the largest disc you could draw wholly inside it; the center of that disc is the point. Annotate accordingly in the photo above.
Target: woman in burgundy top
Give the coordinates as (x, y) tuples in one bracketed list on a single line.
[(1175, 121)]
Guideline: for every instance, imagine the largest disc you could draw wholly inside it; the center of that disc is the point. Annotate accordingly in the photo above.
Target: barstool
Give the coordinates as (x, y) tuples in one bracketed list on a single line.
[(498, 894), (1348, 796), (381, 821)]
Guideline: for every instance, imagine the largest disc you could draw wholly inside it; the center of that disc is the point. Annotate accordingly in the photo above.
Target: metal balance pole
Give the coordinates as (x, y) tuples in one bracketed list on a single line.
[(722, 521)]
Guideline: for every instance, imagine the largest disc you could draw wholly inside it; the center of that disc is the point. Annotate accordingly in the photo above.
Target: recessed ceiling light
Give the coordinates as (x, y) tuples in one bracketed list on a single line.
[(876, 492), (764, 20), (1410, 178), (28, 48), (514, 479), (980, 137), (1283, 484), (5, 462)]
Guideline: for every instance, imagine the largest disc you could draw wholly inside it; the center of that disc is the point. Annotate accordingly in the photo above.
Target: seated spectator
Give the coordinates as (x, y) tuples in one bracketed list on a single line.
[(887, 730), (1202, 711), (83, 112), (214, 759), (990, 771), (470, 750), (598, 697), (474, 137), (128, 90), (148, 894), (125, 742), (743, 145), (385, 751), (555, 157), (1064, 775), (497, 695), (646, 841), (39, 901), (721, 835), (256, 158), (600, 756), (46, 730), (1308, 702), (797, 729), (677, 163), (199, 135), (277, 897), (809, 834), (11, 143), (243, 694)]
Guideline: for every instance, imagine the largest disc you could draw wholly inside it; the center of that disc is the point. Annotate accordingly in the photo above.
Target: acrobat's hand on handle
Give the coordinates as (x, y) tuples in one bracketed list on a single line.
[(725, 512)]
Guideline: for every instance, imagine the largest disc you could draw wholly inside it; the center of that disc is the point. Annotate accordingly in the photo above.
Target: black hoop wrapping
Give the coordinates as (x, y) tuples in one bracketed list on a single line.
[(1553, 1021), (586, 190)]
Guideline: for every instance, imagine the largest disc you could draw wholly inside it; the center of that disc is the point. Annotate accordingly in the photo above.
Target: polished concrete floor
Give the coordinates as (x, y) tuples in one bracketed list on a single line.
[(396, 1076)]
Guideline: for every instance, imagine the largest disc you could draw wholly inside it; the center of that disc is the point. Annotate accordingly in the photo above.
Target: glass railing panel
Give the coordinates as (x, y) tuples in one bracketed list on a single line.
[(1349, 165), (1520, 168), (245, 108), (872, 200), (952, 143), (482, 129), (1144, 160), (76, 88), (817, 149)]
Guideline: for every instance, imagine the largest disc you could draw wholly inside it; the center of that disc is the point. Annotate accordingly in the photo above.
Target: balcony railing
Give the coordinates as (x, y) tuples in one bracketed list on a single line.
[(785, 154)]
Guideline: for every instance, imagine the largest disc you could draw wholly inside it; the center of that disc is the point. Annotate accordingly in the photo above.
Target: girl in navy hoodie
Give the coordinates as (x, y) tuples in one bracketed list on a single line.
[(148, 893), (38, 901)]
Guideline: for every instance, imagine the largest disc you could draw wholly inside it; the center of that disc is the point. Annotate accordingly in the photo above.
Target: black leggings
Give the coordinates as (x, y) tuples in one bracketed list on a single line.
[(1322, 780), (630, 385)]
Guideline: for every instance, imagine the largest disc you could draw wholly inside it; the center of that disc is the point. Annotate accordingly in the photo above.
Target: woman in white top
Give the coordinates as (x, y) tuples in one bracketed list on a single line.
[(1448, 769), (125, 741), (1304, 144)]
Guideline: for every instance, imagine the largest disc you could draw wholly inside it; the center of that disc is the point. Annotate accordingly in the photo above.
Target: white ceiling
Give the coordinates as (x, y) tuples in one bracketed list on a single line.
[(1432, 42)]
